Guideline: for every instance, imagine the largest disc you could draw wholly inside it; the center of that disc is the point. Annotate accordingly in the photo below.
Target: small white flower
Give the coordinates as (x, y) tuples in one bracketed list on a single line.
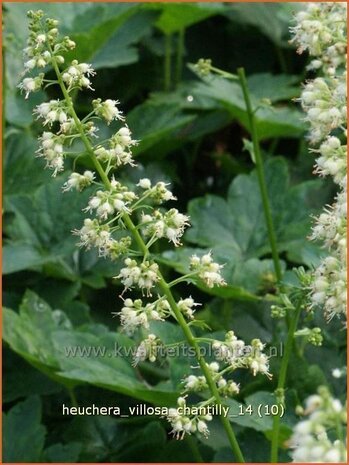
[(79, 181), (202, 428), (30, 64), (40, 38), (31, 84), (144, 183), (148, 349), (337, 373), (186, 306)]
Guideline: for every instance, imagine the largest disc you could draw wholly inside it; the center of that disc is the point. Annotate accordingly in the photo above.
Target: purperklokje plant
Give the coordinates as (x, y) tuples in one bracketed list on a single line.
[(126, 222), (321, 29)]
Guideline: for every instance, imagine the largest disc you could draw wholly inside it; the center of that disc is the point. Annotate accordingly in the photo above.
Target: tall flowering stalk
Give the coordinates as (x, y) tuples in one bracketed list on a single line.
[(321, 30), (125, 221)]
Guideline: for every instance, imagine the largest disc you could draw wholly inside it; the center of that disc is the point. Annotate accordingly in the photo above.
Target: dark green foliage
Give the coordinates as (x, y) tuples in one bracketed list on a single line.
[(196, 136)]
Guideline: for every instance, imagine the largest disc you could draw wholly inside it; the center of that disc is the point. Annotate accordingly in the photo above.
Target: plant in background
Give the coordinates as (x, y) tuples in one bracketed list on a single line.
[(312, 439), (321, 30), (127, 220)]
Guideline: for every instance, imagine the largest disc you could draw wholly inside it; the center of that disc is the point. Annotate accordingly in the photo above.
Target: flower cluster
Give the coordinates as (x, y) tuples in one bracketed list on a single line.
[(31, 84), (332, 160), (184, 422), (324, 101), (143, 275), (207, 270), (79, 181), (42, 33), (159, 193), (321, 29), (170, 225), (108, 110), (119, 151), (227, 388), (230, 355), (114, 201), (313, 336), (187, 307), (135, 314), (203, 66), (77, 75), (310, 440), (51, 150), (94, 234), (237, 354)]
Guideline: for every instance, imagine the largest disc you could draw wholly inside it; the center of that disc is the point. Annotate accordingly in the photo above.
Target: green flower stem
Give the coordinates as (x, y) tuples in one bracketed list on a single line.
[(167, 62), (182, 279), (282, 379), (162, 283), (341, 437), (224, 74), (73, 398), (180, 55), (260, 174)]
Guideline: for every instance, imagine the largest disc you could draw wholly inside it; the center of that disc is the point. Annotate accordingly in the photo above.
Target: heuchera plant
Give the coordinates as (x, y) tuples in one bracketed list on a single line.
[(125, 221), (321, 30)]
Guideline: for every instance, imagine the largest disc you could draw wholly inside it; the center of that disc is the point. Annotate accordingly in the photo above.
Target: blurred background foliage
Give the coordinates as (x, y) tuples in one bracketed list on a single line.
[(193, 133)]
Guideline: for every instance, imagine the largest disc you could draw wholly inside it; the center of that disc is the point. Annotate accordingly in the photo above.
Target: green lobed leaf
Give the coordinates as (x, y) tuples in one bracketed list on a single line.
[(18, 256), (239, 224), (106, 32), (22, 380), (278, 121), (28, 332), (21, 169), (152, 123), (40, 236), (99, 363), (60, 453), (257, 419), (120, 48), (270, 18), (175, 17), (97, 434), (275, 87), (24, 436), (239, 221), (47, 340)]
